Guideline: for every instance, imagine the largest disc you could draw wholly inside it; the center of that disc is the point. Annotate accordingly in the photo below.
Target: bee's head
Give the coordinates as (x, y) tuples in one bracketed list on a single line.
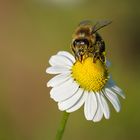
[(79, 47), (82, 41)]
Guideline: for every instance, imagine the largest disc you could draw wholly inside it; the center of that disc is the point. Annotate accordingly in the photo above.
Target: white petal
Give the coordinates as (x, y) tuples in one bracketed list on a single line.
[(99, 114), (111, 84), (90, 106), (86, 107), (68, 55), (112, 97), (118, 91), (64, 105), (104, 105), (79, 103), (59, 60), (57, 70), (57, 80), (64, 91)]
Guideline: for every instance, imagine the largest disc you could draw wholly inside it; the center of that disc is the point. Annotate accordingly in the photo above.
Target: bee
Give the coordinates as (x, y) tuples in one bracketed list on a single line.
[(87, 42)]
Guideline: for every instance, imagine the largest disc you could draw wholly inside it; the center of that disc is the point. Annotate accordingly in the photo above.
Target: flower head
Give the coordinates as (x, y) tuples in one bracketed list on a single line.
[(89, 75), (83, 83)]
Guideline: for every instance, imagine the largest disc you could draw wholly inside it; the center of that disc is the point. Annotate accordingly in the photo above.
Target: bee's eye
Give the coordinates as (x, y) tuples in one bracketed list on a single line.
[(81, 42)]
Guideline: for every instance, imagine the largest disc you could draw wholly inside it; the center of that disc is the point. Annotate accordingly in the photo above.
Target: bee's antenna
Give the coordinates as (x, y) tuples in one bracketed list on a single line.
[(100, 24)]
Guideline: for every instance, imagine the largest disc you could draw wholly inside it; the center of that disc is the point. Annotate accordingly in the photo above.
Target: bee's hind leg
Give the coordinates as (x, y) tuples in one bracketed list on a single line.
[(96, 56)]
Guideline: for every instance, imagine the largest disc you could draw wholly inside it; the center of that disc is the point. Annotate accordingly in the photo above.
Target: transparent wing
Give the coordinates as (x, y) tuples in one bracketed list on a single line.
[(85, 22), (96, 25), (100, 24)]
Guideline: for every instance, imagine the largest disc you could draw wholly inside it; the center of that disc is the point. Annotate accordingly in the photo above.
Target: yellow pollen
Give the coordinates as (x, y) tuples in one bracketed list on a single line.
[(90, 76)]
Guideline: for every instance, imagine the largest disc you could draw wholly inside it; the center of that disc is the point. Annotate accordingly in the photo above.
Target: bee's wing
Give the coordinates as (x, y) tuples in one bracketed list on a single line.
[(100, 24), (85, 22), (95, 24)]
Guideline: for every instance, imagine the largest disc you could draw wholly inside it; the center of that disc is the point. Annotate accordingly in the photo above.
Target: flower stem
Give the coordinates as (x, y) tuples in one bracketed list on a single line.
[(62, 126)]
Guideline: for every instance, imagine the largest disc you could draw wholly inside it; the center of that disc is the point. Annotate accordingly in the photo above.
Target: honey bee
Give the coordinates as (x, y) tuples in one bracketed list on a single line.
[(87, 42)]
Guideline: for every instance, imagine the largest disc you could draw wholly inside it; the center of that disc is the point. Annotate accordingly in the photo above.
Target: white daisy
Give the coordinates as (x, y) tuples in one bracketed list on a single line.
[(82, 83)]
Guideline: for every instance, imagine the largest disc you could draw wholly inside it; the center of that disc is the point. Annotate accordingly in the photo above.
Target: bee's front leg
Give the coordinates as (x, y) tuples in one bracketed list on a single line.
[(96, 56)]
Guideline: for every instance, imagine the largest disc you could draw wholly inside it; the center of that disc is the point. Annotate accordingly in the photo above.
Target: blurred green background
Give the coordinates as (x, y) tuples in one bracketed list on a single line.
[(33, 30)]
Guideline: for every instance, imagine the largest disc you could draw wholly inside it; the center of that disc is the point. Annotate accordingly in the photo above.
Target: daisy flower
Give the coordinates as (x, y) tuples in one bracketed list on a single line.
[(83, 83)]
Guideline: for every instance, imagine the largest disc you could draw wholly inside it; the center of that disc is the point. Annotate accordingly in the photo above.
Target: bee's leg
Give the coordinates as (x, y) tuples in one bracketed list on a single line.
[(102, 58), (101, 47), (96, 56)]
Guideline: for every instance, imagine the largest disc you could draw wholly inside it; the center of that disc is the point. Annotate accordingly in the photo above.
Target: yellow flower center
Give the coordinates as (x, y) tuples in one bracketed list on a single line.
[(89, 75)]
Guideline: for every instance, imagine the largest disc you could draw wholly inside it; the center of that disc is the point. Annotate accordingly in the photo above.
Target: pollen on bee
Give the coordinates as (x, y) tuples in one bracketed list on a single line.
[(89, 75)]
